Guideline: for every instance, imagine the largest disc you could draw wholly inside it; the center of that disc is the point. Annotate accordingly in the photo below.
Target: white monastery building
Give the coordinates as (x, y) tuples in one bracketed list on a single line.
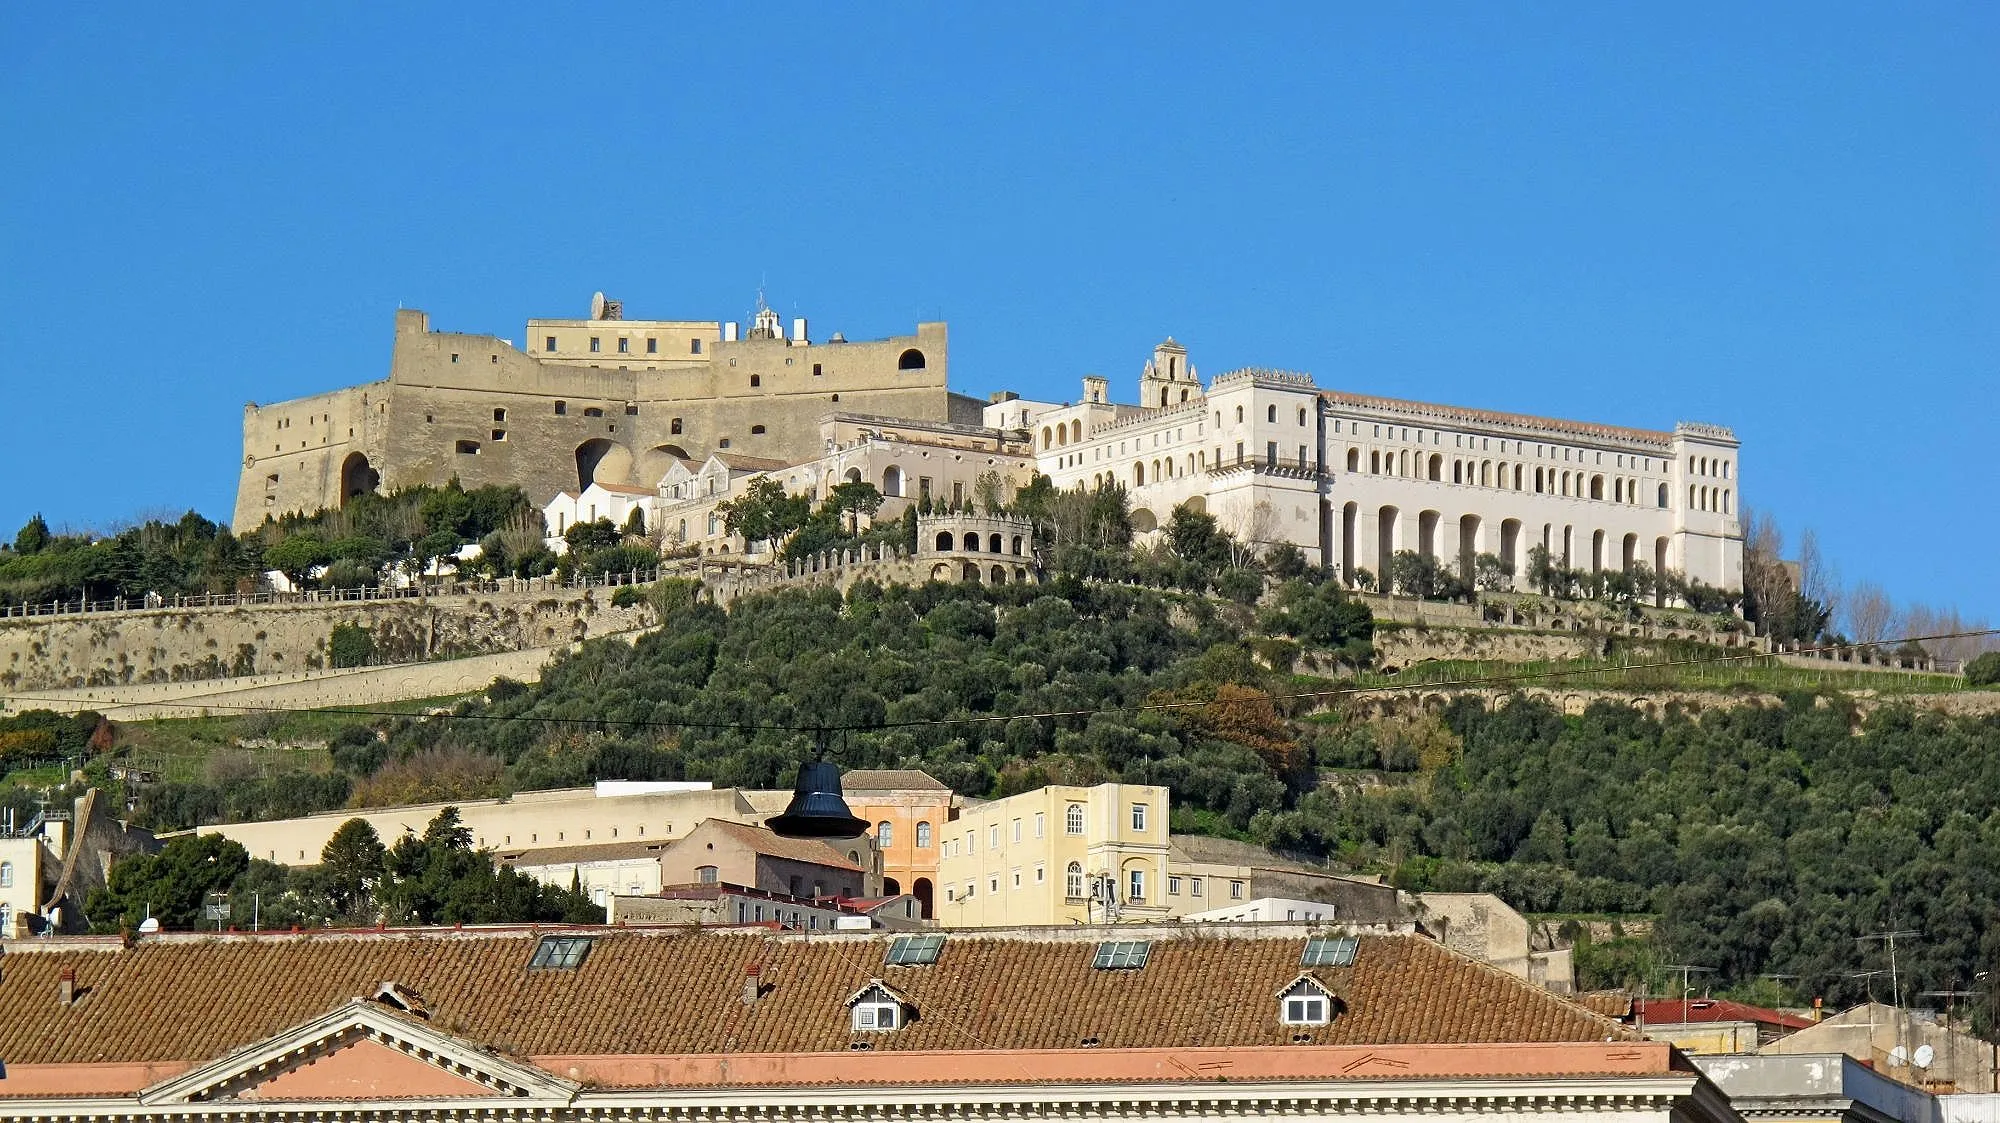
[(1352, 479)]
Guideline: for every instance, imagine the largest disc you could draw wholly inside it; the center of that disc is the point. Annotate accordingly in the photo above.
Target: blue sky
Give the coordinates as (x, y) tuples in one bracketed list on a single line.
[(1780, 217)]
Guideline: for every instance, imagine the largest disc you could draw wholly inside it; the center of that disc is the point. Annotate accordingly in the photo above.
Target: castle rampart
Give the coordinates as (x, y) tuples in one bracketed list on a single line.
[(477, 408)]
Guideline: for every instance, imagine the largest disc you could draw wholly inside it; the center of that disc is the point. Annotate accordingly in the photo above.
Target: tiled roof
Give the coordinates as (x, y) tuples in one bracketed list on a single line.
[(678, 991), (772, 845), (1610, 1003), (738, 463), (583, 852), (890, 780), (1674, 1011)]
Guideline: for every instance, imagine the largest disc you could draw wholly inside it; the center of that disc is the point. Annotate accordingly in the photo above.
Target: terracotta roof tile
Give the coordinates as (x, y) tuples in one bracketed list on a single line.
[(772, 845), (584, 852), (677, 991), (890, 780)]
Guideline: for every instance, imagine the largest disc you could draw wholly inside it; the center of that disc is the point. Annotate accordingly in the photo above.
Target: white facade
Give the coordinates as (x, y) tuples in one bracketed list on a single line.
[(1351, 480), (598, 501), (1265, 908)]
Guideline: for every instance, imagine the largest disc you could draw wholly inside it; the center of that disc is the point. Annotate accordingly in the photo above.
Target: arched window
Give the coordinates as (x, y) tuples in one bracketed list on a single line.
[(1270, 413), (885, 834), (756, 380), (923, 836), (6, 874), (1663, 496), (1073, 881), (1073, 819), (944, 541), (1138, 475), (1076, 431), (1048, 437), (1302, 415), (1239, 415), (971, 542), (1354, 460), (674, 426), (707, 875), (1725, 500), (912, 359)]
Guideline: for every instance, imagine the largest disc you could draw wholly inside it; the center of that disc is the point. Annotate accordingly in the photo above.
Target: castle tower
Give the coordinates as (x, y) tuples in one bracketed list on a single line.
[(1168, 379)]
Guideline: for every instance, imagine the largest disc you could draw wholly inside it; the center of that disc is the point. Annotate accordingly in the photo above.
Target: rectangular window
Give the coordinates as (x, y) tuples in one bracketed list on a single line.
[(1017, 830), (1329, 951), (596, 347), (652, 347), (924, 486), (1139, 818), (1122, 955), (1017, 877), (1135, 885), (1041, 822), (1194, 887), (549, 344), (1235, 890), (624, 346), (694, 346), (993, 837), (914, 951), (1270, 454), (1173, 886), (560, 953)]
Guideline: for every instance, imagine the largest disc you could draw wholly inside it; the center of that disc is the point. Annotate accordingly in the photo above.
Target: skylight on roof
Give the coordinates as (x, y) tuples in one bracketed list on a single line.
[(1122, 955), (1329, 951), (560, 953), (914, 951)]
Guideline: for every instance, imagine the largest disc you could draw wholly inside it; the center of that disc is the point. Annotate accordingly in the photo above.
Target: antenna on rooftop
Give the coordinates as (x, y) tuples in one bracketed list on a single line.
[(1890, 938), (1687, 970)]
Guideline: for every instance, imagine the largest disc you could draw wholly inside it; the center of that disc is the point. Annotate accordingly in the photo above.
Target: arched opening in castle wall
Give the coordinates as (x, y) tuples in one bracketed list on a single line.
[(602, 461), (357, 477)]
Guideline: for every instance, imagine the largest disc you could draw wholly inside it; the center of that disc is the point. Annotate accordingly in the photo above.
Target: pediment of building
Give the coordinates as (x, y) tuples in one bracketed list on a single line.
[(362, 1051)]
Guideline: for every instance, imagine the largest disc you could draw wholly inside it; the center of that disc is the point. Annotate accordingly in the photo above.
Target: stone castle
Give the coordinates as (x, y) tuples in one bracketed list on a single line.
[(602, 399), (604, 413)]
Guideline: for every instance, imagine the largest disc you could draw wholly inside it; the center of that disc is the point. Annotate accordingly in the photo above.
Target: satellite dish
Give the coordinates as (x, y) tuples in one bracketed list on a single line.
[(149, 926), (1899, 1056), (597, 306), (1923, 1056)]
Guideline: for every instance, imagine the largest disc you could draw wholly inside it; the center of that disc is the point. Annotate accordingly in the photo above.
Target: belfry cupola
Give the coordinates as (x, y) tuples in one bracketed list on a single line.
[(1168, 379)]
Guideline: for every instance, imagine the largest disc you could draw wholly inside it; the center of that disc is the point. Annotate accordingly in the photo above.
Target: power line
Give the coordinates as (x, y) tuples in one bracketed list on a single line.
[(1475, 682)]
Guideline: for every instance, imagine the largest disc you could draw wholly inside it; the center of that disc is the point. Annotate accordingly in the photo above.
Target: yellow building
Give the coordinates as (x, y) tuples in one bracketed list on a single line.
[(1057, 855)]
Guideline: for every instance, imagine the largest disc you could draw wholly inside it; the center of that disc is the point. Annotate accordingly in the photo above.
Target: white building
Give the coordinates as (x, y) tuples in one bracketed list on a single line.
[(1351, 479), (598, 501)]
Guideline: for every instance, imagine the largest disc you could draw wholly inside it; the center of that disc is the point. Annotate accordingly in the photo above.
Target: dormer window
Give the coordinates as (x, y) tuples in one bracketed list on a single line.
[(877, 1009), (1306, 1003)]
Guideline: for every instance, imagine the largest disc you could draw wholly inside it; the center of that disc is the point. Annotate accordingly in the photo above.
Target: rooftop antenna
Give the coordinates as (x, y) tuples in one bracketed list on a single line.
[(1890, 938), (1687, 970)]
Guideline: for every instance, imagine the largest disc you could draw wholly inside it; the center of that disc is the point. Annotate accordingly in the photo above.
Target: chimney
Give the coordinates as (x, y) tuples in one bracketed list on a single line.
[(66, 987), (799, 330), (753, 983)]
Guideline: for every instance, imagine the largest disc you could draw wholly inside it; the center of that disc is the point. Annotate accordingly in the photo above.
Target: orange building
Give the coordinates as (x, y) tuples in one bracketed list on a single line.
[(909, 810)]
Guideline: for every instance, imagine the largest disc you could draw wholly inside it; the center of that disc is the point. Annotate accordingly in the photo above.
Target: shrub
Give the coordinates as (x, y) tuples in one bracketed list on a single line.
[(1983, 671), (350, 646)]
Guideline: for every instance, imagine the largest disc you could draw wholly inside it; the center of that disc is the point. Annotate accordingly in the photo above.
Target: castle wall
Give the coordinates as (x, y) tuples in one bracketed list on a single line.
[(476, 408)]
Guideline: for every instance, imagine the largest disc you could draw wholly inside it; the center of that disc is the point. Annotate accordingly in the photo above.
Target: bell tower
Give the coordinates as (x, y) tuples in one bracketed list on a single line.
[(1168, 380)]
